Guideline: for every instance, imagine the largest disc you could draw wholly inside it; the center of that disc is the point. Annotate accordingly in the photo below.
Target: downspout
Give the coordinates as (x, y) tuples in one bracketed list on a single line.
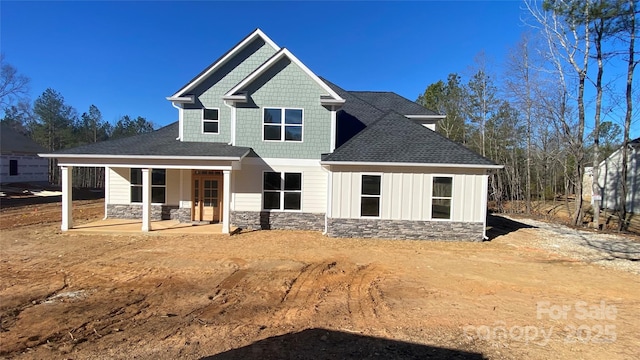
[(232, 131), (334, 127), (180, 120), (327, 212), (485, 189), (107, 190)]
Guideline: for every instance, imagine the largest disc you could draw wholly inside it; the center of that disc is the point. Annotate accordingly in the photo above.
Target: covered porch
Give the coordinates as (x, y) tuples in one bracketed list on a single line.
[(182, 189)]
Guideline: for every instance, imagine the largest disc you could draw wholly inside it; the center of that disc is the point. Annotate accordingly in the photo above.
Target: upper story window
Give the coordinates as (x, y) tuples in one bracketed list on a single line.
[(370, 195), (158, 185), (210, 121), (281, 124), (441, 197)]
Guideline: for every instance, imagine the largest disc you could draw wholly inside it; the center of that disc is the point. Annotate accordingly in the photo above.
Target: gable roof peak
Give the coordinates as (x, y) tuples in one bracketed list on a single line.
[(283, 53), (198, 79)]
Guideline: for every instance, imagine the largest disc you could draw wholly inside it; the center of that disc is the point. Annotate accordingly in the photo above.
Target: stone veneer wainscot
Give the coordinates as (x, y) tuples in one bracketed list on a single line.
[(405, 229)]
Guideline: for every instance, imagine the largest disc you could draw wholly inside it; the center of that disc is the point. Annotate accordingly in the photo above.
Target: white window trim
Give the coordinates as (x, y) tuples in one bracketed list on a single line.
[(203, 120), (152, 186), (282, 124), (433, 176), (282, 191), (361, 195)]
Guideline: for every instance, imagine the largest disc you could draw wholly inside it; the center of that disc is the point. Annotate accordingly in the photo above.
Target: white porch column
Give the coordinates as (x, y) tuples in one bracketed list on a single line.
[(226, 185), (146, 199), (67, 198), (107, 180)]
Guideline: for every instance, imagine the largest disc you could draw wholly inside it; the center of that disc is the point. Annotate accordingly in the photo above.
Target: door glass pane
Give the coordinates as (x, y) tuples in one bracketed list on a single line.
[(196, 191)]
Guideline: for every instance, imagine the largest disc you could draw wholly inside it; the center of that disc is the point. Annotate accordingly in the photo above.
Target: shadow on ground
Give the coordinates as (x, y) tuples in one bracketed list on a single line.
[(318, 344), (78, 194), (498, 226)]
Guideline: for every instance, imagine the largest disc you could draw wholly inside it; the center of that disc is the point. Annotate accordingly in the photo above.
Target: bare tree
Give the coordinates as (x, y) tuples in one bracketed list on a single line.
[(13, 86), (568, 42), (629, 24)]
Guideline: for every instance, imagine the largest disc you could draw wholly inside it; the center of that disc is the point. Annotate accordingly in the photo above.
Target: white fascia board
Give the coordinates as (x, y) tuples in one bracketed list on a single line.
[(235, 98), (190, 99), (142, 157), (400, 164), (426, 117), (257, 33), (284, 52), (332, 102), (142, 165)]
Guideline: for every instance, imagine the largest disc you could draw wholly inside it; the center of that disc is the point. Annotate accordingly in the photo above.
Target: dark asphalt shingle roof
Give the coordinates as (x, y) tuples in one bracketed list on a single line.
[(161, 142), (390, 101), (396, 139), (365, 112), (12, 142)]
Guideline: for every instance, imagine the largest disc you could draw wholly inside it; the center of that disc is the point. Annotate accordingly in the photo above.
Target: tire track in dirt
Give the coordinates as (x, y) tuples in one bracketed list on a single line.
[(299, 306), (365, 300)]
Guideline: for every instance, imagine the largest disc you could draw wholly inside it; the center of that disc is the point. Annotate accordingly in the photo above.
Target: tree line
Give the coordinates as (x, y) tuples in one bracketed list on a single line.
[(56, 125), (562, 101)]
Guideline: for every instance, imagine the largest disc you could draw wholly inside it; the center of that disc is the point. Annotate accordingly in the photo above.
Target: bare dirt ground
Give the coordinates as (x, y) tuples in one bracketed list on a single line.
[(299, 295)]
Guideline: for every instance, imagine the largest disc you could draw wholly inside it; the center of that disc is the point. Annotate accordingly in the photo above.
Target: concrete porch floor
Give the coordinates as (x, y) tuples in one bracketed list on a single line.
[(163, 227)]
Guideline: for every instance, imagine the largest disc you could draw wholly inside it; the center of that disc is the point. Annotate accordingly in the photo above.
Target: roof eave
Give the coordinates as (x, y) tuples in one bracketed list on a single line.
[(426, 117), (444, 165), (145, 157), (189, 99)]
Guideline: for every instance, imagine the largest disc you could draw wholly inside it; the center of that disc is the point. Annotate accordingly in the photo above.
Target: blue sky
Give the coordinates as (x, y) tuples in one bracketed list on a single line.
[(126, 57)]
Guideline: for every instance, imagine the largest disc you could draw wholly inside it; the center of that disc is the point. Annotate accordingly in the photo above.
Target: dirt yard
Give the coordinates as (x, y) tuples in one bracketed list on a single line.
[(299, 295)]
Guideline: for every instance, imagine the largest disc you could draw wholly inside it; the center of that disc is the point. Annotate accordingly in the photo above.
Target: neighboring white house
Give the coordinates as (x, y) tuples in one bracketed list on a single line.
[(19, 160), (610, 178)]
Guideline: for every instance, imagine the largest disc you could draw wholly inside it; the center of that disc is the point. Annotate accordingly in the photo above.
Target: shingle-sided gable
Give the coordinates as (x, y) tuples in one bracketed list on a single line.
[(256, 35), (397, 139)]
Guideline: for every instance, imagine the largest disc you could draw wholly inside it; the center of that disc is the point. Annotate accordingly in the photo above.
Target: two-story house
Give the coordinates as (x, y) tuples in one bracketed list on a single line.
[(264, 143)]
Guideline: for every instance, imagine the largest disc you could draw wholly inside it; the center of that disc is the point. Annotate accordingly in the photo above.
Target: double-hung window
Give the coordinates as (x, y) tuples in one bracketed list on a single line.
[(158, 185), (441, 197), (282, 191), (210, 121), (281, 124), (370, 196)]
